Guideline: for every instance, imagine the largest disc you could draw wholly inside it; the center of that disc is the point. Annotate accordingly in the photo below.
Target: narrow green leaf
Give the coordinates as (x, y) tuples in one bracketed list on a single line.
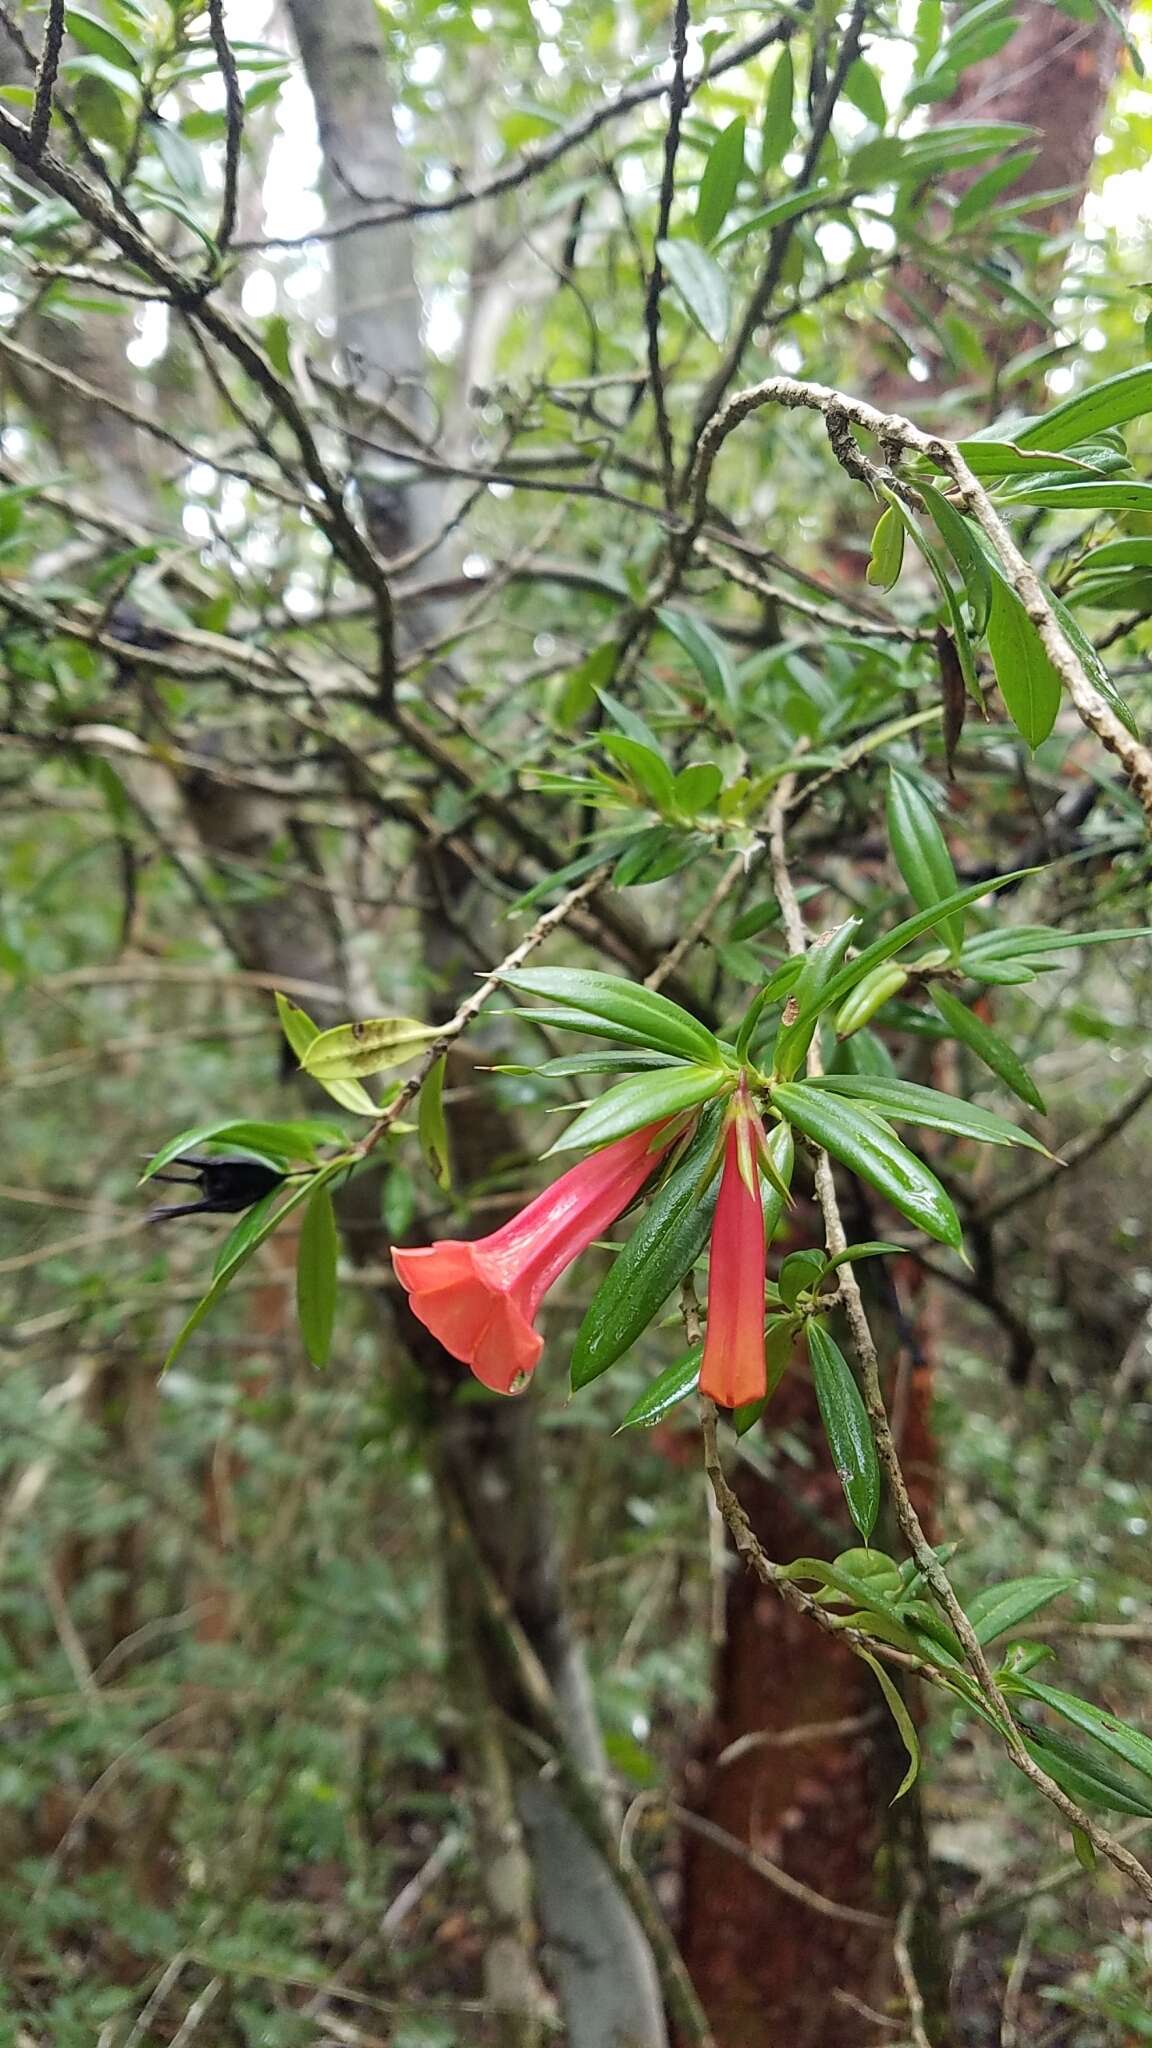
[(707, 653), (908, 1102), (921, 854), (720, 180), (647, 769), (967, 554), (316, 1260), (280, 1142), (788, 208), (647, 1017), (250, 1225), (1113, 403), (868, 997), (673, 1385), (1084, 1776), (1128, 1744), (1028, 682), (664, 1246), (431, 1126), (894, 942), (95, 35), (371, 1045), (700, 284), (988, 1046), (846, 1426), (998, 1609), (271, 1220), (867, 1147), (819, 969), (779, 124), (903, 1720), (645, 1099)]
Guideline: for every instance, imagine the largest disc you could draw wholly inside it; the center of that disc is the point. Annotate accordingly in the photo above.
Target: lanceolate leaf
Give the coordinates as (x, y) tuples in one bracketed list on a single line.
[(1128, 1744), (720, 178), (894, 941), (316, 1259), (1028, 682), (819, 969), (700, 283), (671, 1387), (921, 853), (646, 1017), (999, 1609), (243, 1251), (903, 1720), (432, 1127), (664, 1246), (845, 1420), (644, 1099), (988, 1046), (370, 1046), (865, 1145), (1085, 1775), (908, 1103), (280, 1142)]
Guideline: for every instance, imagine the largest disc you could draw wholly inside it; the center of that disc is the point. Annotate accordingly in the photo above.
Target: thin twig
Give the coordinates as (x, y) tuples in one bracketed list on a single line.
[(234, 119), (677, 100), (46, 75)]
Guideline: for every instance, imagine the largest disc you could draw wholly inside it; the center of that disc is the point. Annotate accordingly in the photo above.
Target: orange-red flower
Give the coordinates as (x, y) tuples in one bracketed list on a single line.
[(480, 1298), (732, 1370)]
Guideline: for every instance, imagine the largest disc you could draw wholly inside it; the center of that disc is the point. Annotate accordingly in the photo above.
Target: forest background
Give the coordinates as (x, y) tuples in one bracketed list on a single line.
[(390, 579)]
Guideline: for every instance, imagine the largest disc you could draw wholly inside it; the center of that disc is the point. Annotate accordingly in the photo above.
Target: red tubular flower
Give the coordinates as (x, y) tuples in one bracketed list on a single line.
[(480, 1298), (732, 1370)]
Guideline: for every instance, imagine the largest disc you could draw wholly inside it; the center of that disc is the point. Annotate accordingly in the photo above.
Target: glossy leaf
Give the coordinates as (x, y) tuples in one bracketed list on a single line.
[(799, 1272), (846, 1426), (887, 555), (671, 1387), (867, 1147), (664, 1246), (908, 1102), (281, 1142), (243, 1251), (647, 1017), (644, 1099), (921, 853), (988, 1046), (819, 968), (868, 997)]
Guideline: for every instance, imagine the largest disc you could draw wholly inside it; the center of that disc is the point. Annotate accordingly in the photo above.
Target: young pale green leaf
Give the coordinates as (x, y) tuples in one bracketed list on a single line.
[(1028, 682), (872, 1248), (799, 1272), (720, 180), (316, 1259), (887, 557), (867, 1147), (645, 1016), (779, 123), (95, 35), (280, 1142), (432, 1128), (696, 788), (988, 1046), (647, 770), (999, 1609), (372, 1045), (845, 1420), (645, 1099), (907, 1102), (664, 1246), (894, 942), (921, 854), (700, 284), (903, 1720), (673, 1385), (300, 1031), (820, 964), (868, 997)]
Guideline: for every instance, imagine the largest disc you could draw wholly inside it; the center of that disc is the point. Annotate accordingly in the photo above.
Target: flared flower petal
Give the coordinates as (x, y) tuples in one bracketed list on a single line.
[(732, 1370), (479, 1299)]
